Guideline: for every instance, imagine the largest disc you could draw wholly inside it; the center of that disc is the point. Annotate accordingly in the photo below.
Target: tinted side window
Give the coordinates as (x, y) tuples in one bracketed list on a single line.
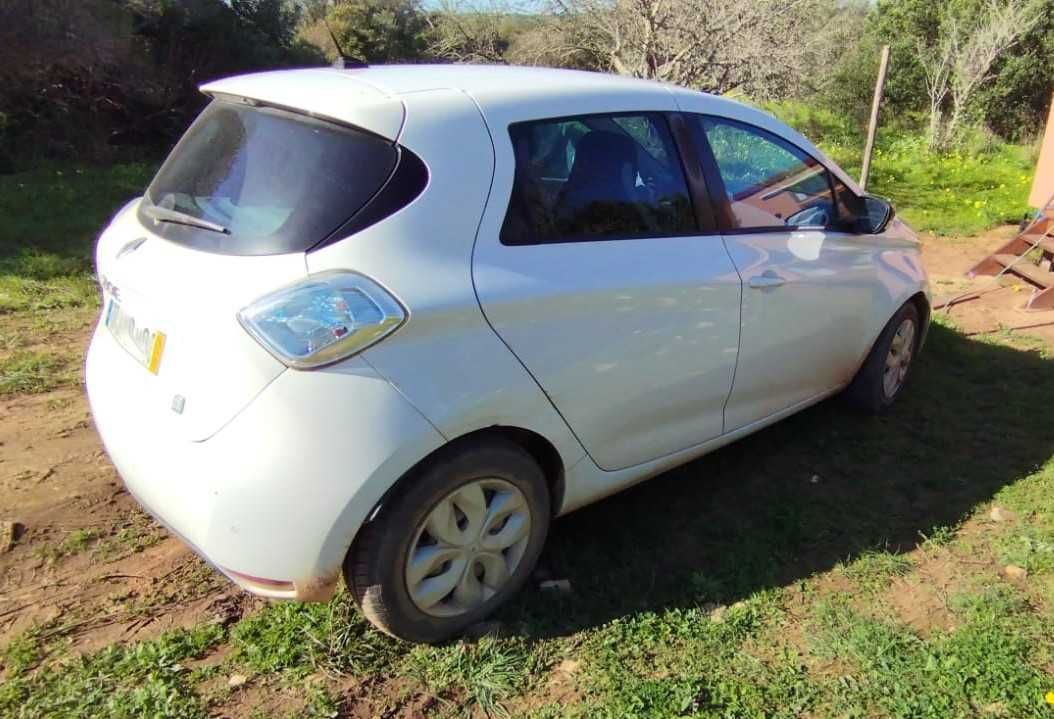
[(769, 183), (596, 177)]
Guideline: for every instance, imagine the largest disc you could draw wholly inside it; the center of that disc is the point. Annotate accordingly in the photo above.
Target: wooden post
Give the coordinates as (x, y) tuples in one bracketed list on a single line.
[(872, 127)]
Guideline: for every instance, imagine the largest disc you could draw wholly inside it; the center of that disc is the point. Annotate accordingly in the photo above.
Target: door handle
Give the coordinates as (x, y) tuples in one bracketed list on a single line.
[(768, 278)]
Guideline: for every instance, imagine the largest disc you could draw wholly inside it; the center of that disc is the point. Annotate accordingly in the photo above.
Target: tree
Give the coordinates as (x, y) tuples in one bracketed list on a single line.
[(961, 58), (463, 32), (276, 20), (762, 47), (378, 30)]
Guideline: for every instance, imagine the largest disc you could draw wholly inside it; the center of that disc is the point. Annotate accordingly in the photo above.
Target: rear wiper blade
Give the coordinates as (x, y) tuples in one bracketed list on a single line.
[(163, 214)]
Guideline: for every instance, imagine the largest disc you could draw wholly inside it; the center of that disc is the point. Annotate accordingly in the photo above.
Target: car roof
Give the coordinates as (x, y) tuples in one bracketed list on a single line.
[(488, 85), (482, 81), (374, 92)]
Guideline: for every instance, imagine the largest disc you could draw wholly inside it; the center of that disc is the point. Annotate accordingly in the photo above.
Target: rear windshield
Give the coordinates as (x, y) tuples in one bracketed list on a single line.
[(248, 180)]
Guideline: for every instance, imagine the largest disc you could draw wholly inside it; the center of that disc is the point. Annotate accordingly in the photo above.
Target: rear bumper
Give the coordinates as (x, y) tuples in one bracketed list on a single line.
[(274, 498)]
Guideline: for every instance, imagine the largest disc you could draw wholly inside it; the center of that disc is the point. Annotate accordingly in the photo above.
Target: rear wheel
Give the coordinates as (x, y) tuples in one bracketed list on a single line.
[(453, 544), (887, 367)]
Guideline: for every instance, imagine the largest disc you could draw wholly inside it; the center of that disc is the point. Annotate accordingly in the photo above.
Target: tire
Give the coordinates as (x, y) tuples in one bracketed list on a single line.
[(870, 389), (377, 570)]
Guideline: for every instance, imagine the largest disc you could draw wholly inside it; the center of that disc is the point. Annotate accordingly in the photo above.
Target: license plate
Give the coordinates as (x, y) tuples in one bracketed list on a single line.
[(144, 344)]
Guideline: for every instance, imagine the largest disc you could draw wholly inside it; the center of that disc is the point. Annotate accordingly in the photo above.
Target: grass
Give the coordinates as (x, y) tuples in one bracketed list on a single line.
[(134, 538), (52, 216), (47, 289), (477, 675), (761, 593), (985, 666), (874, 570), (754, 582), (75, 542), (1029, 540), (304, 638), (981, 183), (35, 371), (141, 680)]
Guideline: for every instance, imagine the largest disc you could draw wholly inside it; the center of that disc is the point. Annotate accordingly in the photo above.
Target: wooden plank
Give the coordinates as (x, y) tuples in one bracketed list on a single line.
[(1044, 241), (1025, 269), (1043, 300)]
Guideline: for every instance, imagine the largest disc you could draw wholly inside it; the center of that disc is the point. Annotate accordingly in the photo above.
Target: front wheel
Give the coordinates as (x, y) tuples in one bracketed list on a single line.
[(887, 367), (453, 544)]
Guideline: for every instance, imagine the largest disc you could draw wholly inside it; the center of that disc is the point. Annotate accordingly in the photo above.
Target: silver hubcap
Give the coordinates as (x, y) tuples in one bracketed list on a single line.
[(468, 547), (899, 358)]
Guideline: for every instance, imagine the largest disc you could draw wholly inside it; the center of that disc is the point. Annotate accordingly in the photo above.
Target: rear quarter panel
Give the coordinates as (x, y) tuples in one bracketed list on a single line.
[(446, 360)]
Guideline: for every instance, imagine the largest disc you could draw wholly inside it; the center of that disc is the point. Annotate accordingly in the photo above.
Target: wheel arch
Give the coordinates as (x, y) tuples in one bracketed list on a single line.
[(538, 447), (922, 304)]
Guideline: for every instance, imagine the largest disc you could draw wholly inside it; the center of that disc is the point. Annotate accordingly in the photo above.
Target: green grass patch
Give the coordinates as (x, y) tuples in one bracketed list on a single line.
[(141, 680), (21, 653), (692, 662), (1029, 540), (31, 371), (478, 675), (77, 541), (874, 570), (982, 183), (298, 639), (129, 540), (985, 666), (51, 219), (938, 537)]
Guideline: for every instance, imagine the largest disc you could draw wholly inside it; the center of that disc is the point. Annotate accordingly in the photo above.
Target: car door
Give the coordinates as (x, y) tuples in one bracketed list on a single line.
[(807, 281), (592, 266)]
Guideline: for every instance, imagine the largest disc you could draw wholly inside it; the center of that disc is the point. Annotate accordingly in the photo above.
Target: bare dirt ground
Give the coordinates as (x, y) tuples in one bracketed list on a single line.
[(948, 259), (90, 565)]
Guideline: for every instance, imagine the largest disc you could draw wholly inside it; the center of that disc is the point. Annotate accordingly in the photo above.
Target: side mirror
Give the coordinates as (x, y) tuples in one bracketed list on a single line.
[(878, 212)]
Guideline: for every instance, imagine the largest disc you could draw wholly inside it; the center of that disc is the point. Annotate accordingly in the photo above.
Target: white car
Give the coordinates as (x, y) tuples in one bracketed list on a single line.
[(389, 322)]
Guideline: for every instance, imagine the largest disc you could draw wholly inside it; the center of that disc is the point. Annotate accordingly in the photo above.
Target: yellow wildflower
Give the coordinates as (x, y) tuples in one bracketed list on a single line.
[(1050, 697)]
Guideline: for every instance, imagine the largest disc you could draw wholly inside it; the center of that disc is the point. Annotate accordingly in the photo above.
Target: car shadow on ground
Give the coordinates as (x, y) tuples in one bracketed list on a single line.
[(808, 493)]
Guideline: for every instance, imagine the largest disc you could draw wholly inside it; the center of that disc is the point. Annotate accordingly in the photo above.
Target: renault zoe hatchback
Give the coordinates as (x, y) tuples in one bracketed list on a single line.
[(387, 323)]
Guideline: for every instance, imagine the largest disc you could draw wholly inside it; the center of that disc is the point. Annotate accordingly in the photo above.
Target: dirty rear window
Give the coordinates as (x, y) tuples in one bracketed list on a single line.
[(248, 180)]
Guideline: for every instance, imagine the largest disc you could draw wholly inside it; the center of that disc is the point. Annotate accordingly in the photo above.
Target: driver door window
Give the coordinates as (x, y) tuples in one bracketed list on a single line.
[(770, 184)]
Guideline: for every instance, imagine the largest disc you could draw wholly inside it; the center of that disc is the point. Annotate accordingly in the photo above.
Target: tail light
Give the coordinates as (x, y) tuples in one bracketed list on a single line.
[(322, 319)]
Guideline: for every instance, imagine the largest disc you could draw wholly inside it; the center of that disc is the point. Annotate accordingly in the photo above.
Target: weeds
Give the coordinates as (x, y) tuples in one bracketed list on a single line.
[(985, 663), (473, 675), (32, 372), (141, 680), (874, 570), (129, 540), (21, 653), (301, 638)]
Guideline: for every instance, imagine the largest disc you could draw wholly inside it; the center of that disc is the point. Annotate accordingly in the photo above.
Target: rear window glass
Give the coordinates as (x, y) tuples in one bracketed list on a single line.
[(596, 177), (250, 180)]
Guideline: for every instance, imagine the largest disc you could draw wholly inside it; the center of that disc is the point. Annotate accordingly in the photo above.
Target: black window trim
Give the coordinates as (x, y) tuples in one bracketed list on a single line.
[(691, 162), (699, 210), (722, 207), (407, 181)]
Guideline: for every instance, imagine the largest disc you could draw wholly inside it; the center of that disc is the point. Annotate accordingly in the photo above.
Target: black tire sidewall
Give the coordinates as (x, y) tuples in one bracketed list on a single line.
[(392, 532), (871, 392)]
